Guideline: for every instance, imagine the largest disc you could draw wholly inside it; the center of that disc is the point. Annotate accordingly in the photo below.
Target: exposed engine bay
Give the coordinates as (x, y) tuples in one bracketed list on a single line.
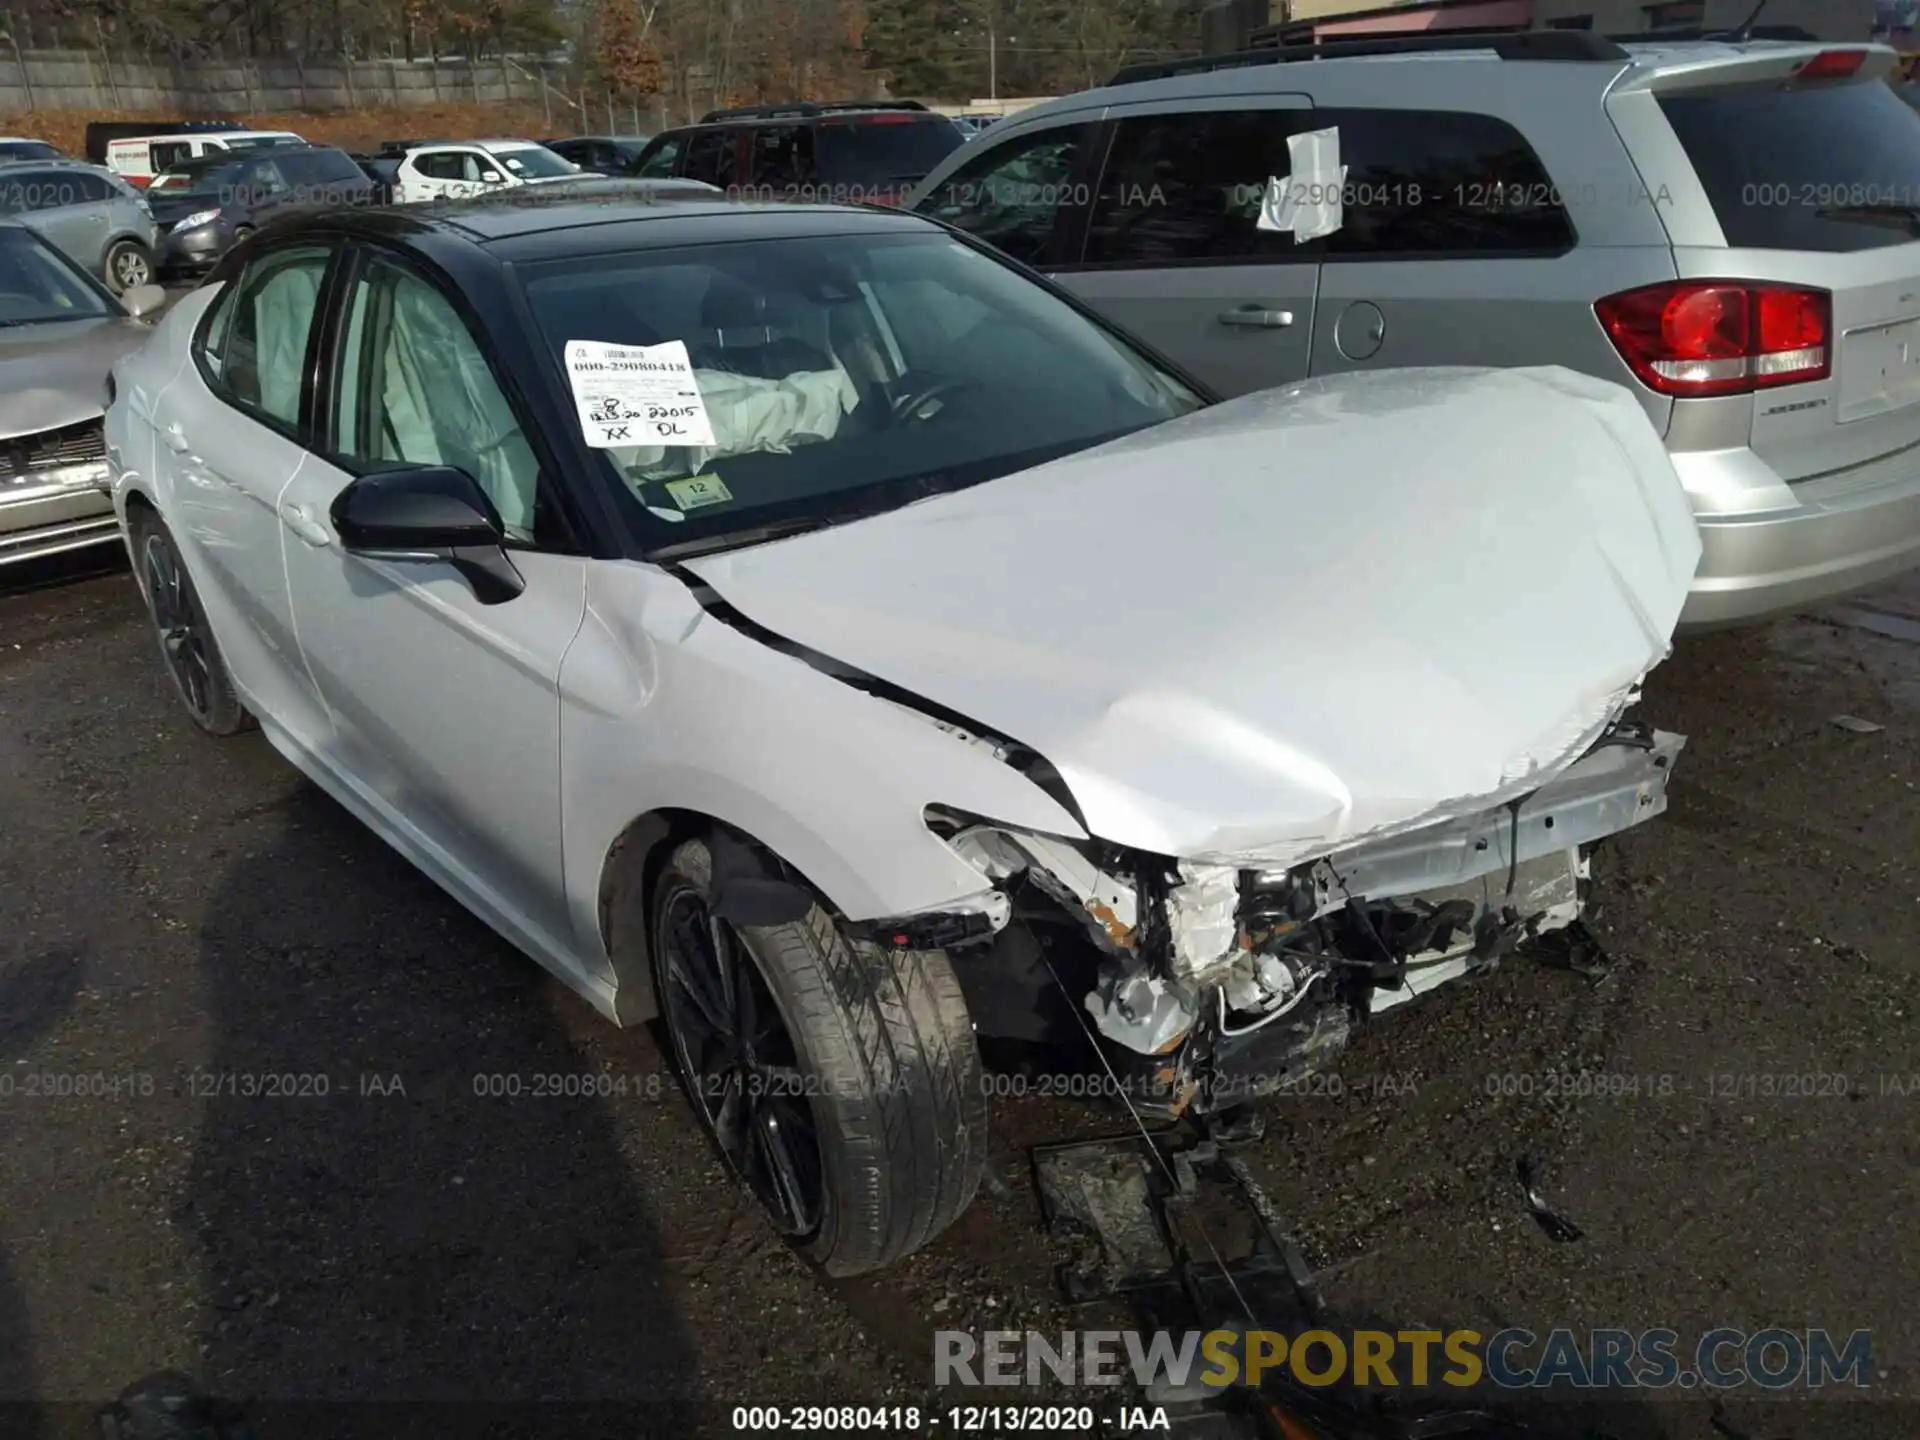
[(1206, 985)]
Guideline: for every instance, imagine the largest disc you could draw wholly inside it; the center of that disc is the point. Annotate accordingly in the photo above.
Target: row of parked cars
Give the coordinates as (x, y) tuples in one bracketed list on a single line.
[(1177, 583)]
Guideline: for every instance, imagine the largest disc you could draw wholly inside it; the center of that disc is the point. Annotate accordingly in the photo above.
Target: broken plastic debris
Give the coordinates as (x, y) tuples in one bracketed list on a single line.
[(1857, 725), (1558, 1228)]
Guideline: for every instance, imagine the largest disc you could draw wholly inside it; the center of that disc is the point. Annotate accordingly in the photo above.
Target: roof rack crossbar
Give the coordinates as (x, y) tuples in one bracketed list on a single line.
[(1507, 43)]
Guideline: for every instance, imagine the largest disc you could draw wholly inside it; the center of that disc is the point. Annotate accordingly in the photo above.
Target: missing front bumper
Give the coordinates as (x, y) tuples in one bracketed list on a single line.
[(1374, 925)]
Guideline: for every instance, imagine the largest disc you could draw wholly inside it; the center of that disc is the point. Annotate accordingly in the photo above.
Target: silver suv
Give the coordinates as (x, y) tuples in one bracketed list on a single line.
[(87, 211), (1732, 230)]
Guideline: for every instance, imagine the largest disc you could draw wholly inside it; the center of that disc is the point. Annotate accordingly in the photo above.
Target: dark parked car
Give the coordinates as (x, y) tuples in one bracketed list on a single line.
[(858, 152), (602, 154), (380, 170), (207, 205)]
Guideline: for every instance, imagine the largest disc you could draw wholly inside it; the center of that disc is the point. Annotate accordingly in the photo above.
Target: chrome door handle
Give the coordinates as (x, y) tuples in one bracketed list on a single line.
[(303, 523), (176, 439), (1254, 316)]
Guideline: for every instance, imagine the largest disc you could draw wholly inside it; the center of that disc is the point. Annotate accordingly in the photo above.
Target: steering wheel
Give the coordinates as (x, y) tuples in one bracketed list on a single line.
[(911, 404)]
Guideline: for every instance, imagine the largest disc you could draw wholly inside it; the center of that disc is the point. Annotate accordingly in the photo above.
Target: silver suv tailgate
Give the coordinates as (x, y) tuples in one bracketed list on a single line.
[(1811, 183)]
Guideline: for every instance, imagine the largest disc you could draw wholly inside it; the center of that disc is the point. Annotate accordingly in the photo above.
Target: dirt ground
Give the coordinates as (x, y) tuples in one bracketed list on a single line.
[(176, 909)]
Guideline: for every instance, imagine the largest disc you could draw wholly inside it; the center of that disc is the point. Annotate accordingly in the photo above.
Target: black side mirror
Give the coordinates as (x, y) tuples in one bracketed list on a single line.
[(433, 512)]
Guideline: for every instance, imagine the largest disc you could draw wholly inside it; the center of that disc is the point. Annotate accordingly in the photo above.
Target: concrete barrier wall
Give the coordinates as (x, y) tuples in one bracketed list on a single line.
[(89, 80)]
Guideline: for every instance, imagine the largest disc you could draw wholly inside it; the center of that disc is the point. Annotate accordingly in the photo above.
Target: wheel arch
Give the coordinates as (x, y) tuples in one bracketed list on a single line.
[(753, 880)]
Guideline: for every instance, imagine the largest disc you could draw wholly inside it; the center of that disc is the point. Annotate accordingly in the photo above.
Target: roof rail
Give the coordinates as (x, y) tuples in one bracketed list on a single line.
[(1759, 32), (797, 109), (1508, 44)]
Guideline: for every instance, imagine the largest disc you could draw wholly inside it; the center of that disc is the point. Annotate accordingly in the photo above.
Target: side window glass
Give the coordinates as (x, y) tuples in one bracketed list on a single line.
[(782, 158), (1439, 182), (256, 352), (710, 156), (1190, 187), (168, 153), (415, 389), (1010, 196), (94, 188), (30, 190), (661, 160)]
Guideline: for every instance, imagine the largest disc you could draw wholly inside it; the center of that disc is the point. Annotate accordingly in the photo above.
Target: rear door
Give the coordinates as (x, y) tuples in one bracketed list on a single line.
[(712, 155), (55, 203), (1455, 248), (1806, 184), (1172, 249)]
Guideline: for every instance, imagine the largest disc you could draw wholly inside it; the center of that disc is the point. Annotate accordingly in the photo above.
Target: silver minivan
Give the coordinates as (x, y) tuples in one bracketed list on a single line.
[(1732, 230), (87, 211)]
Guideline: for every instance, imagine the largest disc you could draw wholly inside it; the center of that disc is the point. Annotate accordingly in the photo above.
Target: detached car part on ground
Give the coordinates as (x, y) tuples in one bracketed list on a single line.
[(949, 669)]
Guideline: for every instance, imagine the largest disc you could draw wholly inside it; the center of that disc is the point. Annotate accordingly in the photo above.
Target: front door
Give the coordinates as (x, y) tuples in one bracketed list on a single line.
[(1174, 251), (447, 711), (228, 442)]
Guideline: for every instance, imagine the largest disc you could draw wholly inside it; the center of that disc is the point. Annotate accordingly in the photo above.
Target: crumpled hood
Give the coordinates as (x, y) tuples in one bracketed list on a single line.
[(1304, 617), (54, 375)]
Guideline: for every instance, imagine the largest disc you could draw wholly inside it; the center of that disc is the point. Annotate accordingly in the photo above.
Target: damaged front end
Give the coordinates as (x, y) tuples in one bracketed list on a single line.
[(1206, 985)]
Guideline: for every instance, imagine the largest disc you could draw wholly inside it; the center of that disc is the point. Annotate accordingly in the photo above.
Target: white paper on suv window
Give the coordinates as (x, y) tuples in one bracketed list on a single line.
[(637, 394), (1308, 202)]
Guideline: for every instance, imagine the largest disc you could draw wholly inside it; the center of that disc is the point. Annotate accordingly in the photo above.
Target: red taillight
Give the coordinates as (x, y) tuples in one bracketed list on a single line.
[(1697, 338), (1832, 65)]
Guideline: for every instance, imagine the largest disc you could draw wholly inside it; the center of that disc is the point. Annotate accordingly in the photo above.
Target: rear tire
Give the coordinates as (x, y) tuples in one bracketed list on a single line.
[(187, 647), (128, 263), (883, 1065)]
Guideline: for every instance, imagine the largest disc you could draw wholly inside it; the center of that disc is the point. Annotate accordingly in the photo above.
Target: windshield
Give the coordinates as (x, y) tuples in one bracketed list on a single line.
[(838, 377), (533, 162), (261, 142), (1791, 169), (874, 151), (196, 179), (28, 150), (37, 286)]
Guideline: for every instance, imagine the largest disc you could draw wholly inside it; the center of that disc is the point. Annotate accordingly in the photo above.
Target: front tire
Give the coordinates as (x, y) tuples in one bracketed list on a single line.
[(128, 263), (187, 647), (855, 1111)]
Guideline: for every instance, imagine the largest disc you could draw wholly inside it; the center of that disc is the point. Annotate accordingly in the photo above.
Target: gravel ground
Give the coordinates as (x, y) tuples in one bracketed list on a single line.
[(176, 909)]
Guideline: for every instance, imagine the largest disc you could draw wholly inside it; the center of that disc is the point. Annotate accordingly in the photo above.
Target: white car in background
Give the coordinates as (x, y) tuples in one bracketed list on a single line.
[(471, 167)]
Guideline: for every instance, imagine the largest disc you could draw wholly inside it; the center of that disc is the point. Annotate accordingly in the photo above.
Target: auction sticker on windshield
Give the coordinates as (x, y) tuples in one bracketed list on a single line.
[(637, 394)]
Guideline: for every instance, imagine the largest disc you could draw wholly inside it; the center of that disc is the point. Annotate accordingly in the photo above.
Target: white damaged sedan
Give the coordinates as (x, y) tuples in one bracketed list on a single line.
[(804, 627)]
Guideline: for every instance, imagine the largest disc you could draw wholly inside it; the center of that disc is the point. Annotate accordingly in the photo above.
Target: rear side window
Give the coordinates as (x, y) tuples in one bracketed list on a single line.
[(1189, 187), (322, 167), (1441, 182), (884, 149), (1832, 169), (166, 154)]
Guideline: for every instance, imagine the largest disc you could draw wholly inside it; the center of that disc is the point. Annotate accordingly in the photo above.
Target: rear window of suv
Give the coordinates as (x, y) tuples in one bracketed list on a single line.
[(1832, 169), (879, 150)]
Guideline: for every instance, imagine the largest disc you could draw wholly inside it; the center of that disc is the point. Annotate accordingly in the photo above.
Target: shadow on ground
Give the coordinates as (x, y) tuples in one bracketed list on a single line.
[(374, 1231)]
